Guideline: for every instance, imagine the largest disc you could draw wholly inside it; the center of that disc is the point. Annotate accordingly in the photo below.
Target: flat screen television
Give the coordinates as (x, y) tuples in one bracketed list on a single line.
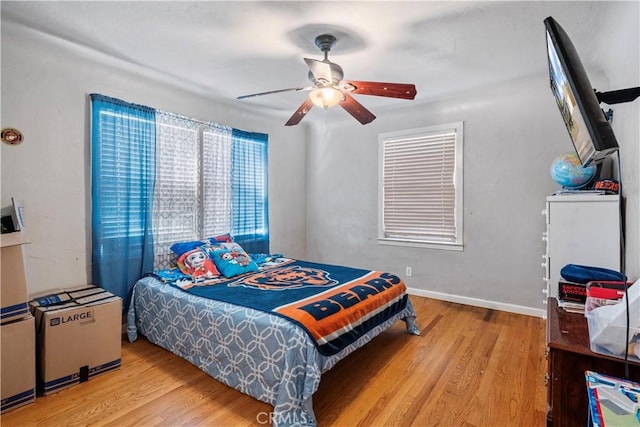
[(590, 132)]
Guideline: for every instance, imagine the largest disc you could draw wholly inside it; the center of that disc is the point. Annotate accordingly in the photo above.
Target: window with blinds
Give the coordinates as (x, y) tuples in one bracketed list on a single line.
[(158, 178), (120, 163), (216, 182), (176, 211), (249, 182), (421, 187)]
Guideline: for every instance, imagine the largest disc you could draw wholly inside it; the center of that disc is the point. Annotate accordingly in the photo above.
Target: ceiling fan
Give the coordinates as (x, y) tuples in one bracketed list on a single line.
[(329, 89)]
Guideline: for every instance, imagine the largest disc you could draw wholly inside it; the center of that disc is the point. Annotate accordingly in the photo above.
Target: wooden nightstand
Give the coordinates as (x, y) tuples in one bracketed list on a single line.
[(569, 356)]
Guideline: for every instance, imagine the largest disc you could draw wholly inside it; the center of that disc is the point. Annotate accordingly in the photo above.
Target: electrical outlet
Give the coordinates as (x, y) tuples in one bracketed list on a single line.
[(408, 272)]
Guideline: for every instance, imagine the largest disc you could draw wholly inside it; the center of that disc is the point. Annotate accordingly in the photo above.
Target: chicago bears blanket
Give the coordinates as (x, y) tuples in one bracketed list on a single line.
[(335, 305)]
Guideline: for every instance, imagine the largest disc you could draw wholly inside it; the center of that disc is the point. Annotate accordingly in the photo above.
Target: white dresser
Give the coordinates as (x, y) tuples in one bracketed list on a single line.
[(580, 229)]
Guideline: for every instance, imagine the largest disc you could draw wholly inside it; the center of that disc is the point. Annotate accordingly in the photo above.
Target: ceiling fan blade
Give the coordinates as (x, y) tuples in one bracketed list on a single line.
[(391, 90), (356, 109), (302, 110), (320, 70), (296, 89)]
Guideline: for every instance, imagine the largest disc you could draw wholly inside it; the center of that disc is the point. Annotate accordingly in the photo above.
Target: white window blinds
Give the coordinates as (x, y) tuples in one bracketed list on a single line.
[(216, 180), (120, 166), (175, 205), (192, 199), (421, 185), (250, 190)]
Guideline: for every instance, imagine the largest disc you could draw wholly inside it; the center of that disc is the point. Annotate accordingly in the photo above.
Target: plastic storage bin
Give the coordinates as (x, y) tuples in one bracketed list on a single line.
[(606, 313)]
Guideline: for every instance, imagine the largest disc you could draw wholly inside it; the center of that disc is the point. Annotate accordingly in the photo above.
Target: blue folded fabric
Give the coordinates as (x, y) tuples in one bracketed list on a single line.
[(584, 274), (264, 258)]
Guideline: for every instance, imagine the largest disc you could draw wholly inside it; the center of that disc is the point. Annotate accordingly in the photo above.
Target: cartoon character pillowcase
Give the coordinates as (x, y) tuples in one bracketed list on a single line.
[(179, 248), (197, 264), (231, 260)]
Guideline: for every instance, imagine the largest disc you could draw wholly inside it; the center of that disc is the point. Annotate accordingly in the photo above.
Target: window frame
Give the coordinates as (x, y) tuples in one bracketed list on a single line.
[(164, 237), (250, 188), (429, 131)]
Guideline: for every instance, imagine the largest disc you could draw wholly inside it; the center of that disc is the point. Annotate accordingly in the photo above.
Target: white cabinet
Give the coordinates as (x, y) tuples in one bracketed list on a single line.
[(581, 229)]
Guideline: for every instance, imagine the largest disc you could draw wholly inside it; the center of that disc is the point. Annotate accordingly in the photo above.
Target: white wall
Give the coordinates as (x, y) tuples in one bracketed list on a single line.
[(45, 87)]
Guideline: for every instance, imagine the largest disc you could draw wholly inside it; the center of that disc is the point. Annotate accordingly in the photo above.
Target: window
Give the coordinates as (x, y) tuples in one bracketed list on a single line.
[(158, 178), (420, 187), (210, 180), (175, 198), (249, 191), (123, 147)]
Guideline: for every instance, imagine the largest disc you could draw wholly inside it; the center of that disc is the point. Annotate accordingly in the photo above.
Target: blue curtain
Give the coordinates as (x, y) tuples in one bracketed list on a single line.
[(123, 139), (250, 207)]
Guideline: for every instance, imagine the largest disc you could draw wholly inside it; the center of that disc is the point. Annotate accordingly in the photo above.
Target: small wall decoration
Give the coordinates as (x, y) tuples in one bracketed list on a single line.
[(11, 136)]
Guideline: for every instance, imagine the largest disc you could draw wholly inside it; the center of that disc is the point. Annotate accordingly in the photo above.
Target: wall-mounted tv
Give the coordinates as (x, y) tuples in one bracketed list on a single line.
[(590, 132)]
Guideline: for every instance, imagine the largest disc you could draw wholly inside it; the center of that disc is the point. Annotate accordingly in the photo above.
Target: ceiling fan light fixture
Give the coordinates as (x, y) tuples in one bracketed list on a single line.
[(329, 89), (325, 97)]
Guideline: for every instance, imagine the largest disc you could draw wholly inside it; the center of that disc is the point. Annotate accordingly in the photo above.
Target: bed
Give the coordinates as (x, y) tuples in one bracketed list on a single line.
[(269, 353)]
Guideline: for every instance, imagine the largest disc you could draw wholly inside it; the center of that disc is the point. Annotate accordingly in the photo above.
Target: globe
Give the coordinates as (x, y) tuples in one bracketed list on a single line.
[(567, 171)]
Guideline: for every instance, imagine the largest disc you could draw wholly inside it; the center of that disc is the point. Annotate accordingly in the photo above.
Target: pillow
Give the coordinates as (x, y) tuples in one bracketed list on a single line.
[(197, 264), (223, 238), (584, 274), (231, 260), (264, 258), (179, 248)]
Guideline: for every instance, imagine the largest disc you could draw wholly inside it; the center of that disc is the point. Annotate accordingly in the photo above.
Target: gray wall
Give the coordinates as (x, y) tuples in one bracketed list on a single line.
[(45, 87), (623, 69), (324, 173), (506, 160), (511, 135)]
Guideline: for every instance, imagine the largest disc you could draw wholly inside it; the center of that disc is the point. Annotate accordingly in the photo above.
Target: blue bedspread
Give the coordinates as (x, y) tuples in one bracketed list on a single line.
[(335, 305), (257, 353)]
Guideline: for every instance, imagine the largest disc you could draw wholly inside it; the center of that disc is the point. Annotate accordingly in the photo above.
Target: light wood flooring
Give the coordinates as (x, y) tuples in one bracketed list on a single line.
[(470, 367)]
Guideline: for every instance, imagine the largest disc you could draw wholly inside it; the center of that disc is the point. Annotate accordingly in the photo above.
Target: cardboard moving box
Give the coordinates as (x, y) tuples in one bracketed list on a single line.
[(13, 282), (79, 336), (18, 363)]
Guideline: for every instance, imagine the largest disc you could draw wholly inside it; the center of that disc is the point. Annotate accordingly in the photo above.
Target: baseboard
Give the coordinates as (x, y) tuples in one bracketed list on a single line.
[(494, 305)]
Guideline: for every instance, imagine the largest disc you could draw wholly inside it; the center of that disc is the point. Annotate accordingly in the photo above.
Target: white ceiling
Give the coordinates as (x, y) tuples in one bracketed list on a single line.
[(224, 49)]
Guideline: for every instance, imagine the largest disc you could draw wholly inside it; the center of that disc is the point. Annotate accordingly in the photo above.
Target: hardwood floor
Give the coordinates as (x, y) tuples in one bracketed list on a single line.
[(470, 367)]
